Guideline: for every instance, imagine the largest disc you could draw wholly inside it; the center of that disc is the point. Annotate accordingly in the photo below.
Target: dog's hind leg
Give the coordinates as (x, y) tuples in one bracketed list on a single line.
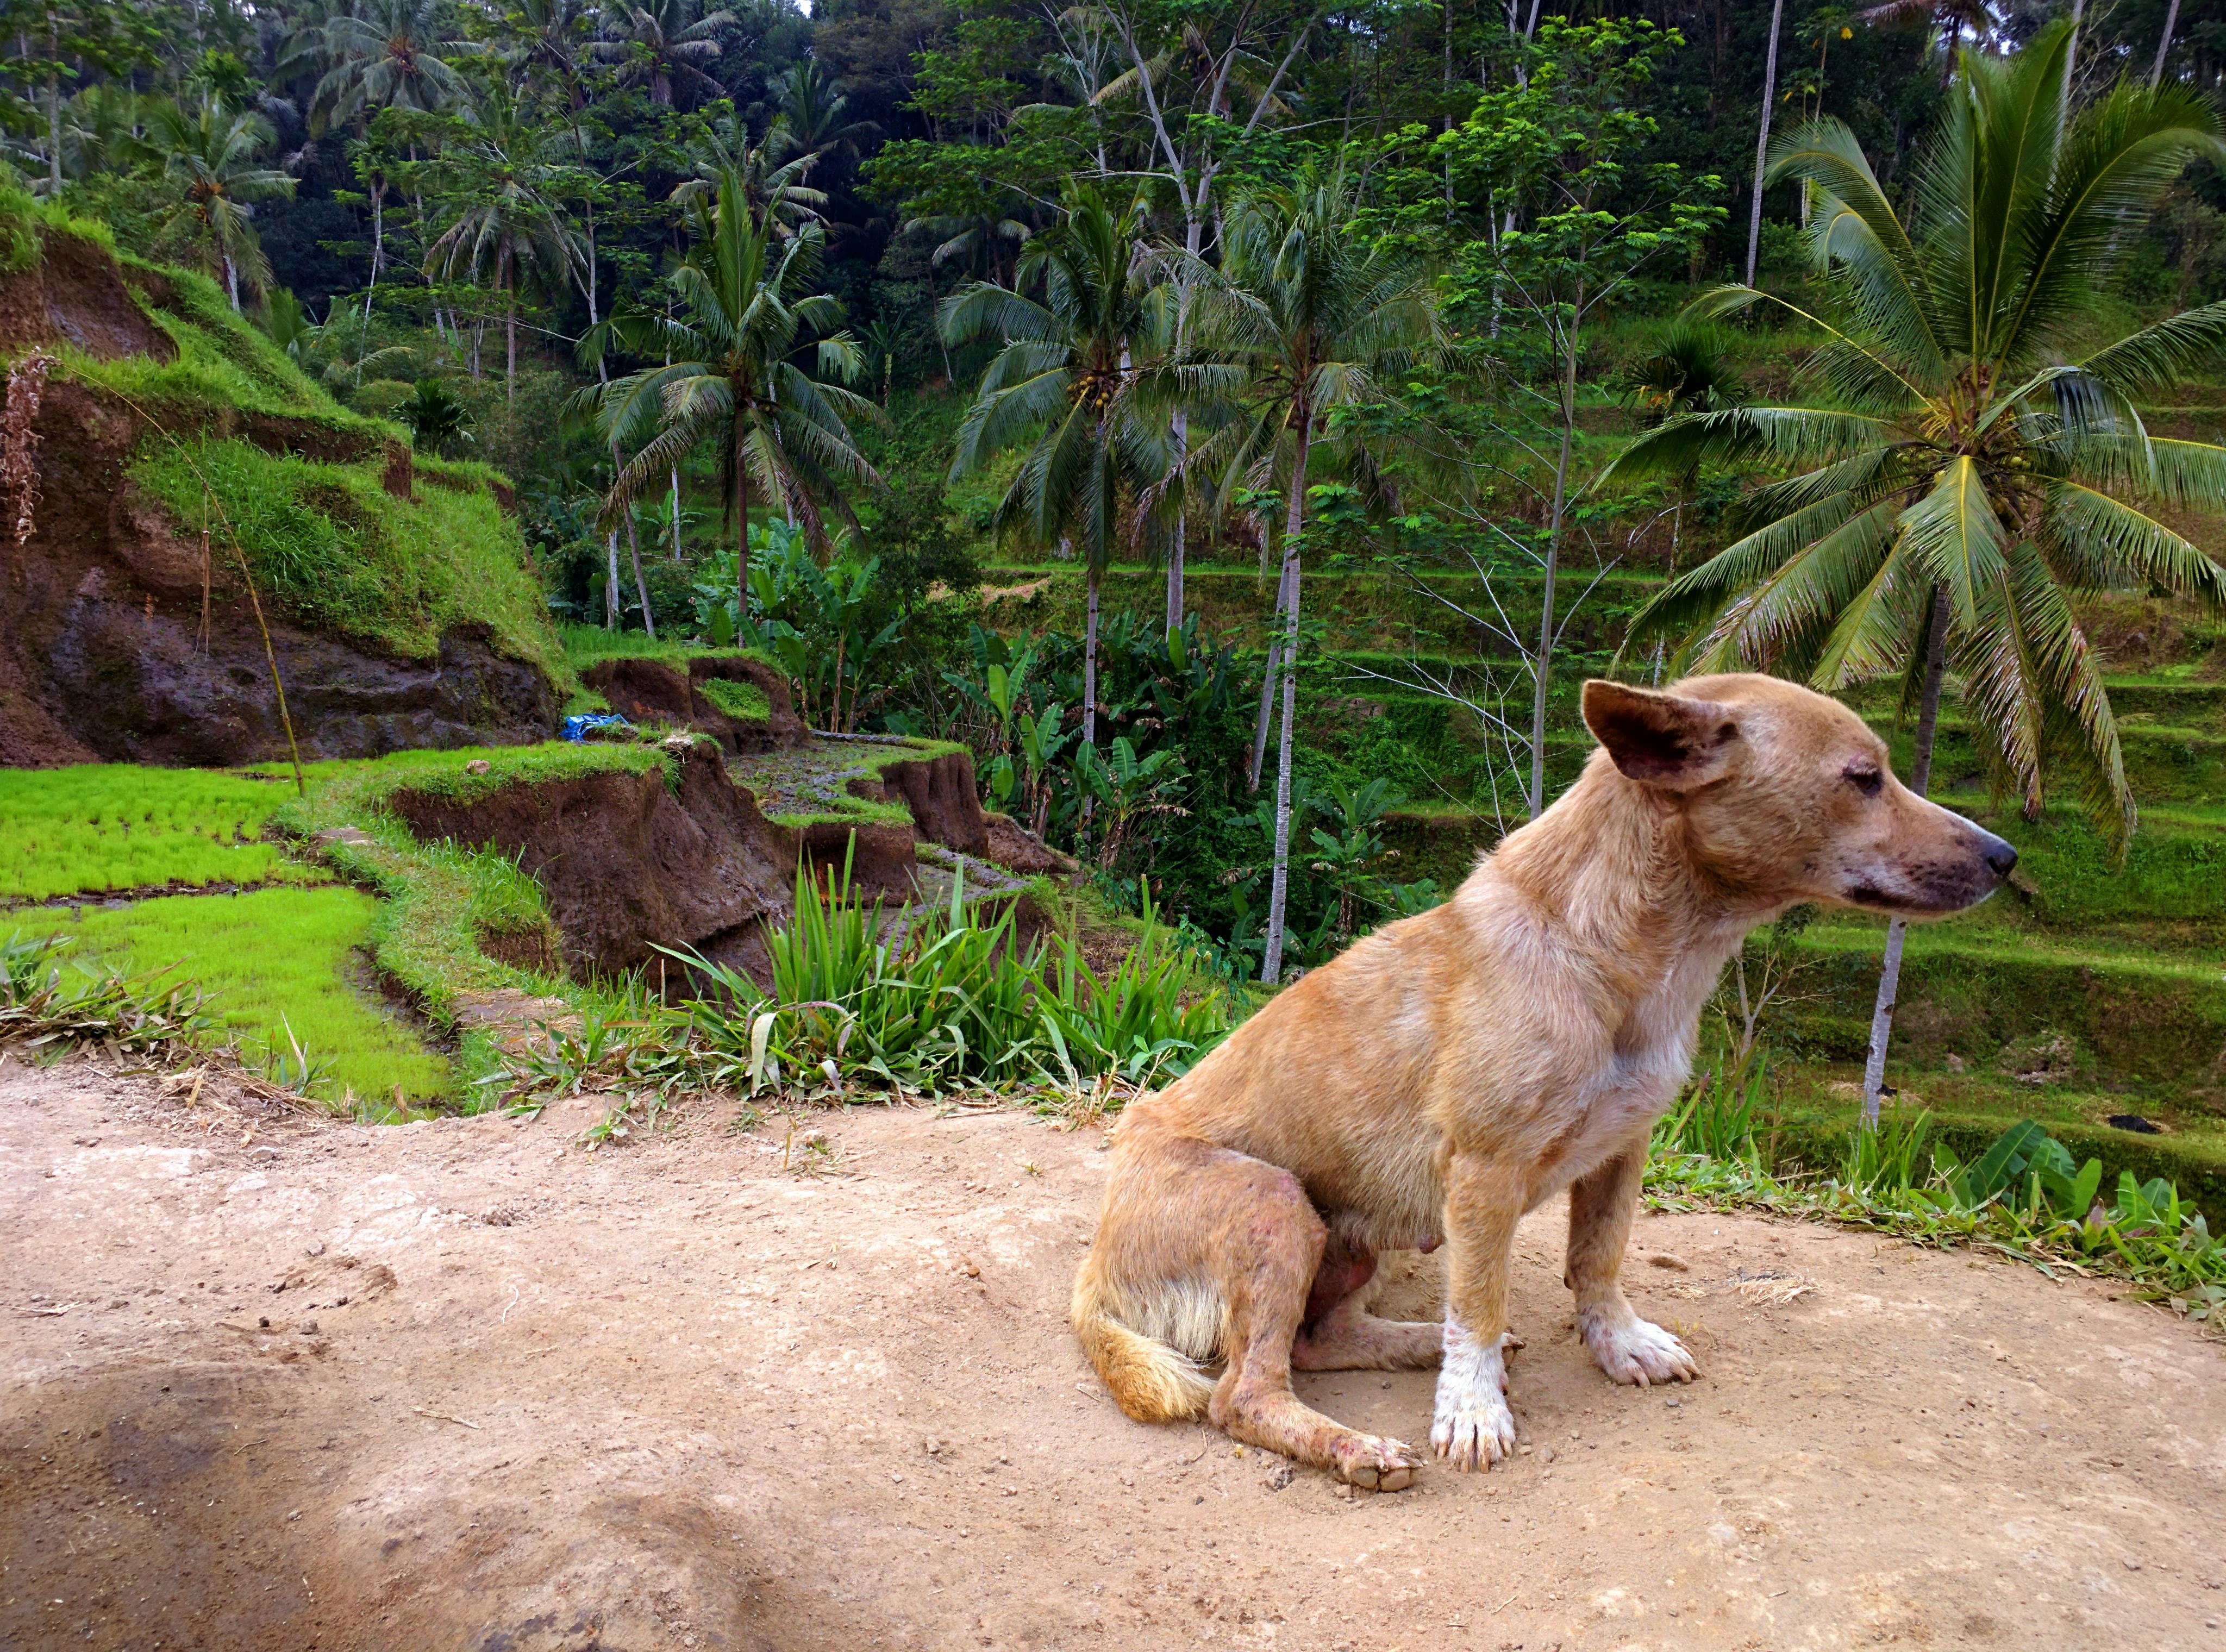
[(1339, 1335), (1271, 1245), (1628, 1349)]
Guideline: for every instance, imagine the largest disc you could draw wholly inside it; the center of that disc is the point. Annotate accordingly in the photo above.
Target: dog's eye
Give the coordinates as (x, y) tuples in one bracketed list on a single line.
[(1869, 782)]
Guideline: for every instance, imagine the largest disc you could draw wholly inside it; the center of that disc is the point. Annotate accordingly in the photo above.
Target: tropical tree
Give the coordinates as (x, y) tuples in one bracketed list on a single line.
[(208, 154), (1064, 384), (813, 107), (381, 54), (1952, 20), (503, 181), (384, 55), (1979, 469), (658, 46), (1685, 372), (1762, 139), (753, 353), (1302, 321), (771, 170), (546, 39)]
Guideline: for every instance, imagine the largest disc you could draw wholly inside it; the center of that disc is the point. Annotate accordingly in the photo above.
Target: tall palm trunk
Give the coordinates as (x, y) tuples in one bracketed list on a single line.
[(2164, 44), (614, 603), (1175, 550), (231, 281), (741, 535), (1920, 779), (378, 254), (54, 120), (1090, 686), (1271, 963), (676, 513), (1762, 139), (1545, 660), (1265, 721)]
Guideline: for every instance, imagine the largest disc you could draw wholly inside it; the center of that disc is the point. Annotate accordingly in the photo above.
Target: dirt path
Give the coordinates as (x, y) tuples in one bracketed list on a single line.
[(667, 1395)]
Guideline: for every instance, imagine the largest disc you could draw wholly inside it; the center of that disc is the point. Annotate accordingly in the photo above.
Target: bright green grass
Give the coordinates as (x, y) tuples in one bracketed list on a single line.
[(337, 547), (98, 828), (271, 961), (743, 701)]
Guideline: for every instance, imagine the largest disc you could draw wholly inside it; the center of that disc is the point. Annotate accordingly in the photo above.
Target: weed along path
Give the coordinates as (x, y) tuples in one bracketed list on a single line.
[(269, 1382)]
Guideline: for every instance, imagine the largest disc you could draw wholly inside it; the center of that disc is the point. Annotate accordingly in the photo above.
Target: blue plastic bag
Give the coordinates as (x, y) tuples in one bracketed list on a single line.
[(577, 728)]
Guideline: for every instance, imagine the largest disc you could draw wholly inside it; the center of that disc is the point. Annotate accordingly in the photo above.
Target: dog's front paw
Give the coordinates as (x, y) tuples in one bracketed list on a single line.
[(1472, 1427), (1374, 1463), (1473, 1435), (1636, 1351)]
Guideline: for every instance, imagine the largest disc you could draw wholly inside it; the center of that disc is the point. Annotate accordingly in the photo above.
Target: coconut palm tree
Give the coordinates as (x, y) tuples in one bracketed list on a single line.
[(657, 44), (1976, 467), (1951, 19), (1687, 372), (208, 151), (771, 170), (749, 323), (1301, 319), (502, 181), (384, 55), (380, 54), (812, 106), (1065, 385)]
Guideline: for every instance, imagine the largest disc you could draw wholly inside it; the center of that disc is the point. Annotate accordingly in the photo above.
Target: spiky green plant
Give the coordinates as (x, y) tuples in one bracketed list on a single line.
[(1975, 467)]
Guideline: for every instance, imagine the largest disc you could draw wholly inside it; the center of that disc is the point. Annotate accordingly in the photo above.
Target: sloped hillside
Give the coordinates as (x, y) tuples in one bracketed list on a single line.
[(176, 452)]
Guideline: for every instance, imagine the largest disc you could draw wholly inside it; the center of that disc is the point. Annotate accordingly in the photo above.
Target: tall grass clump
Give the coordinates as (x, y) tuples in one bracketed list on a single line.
[(932, 999), (2024, 1196), (331, 542), (47, 997)]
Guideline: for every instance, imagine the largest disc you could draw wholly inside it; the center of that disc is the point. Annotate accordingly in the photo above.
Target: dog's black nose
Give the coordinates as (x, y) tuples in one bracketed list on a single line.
[(2001, 857)]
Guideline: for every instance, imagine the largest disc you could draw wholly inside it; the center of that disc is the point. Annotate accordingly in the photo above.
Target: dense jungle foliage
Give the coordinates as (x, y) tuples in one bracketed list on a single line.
[(1245, 424)]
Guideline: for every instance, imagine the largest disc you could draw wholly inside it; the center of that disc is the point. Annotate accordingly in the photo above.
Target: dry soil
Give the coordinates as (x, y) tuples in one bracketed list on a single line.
[(272, 1382)]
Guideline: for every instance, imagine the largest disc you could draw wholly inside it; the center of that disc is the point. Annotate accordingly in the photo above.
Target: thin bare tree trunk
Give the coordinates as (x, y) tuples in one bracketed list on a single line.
[(1762, 139), (614, 603), (641, 584), (1175, 550), (2164, 44), (1553, 563), (676, 513), (1920, 781), (55, 124), (1271, 962), (1089, 688), (1265, 721)]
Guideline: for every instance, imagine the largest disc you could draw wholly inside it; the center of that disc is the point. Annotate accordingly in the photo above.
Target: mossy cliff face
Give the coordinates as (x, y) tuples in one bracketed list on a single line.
[(401, 611)]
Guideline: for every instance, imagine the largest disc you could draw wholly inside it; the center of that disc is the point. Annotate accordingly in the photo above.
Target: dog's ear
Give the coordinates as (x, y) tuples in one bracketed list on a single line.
[(1665, 739)]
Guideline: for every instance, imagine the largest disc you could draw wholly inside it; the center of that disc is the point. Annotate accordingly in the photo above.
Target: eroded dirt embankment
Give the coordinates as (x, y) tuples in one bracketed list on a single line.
[(668, 1395)]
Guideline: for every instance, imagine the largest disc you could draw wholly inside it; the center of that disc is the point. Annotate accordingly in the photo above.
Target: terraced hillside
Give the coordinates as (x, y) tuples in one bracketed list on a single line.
[(2092, 990)]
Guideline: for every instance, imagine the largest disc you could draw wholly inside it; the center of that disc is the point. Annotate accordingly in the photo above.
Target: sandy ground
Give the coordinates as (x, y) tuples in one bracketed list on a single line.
[(515, 1397)]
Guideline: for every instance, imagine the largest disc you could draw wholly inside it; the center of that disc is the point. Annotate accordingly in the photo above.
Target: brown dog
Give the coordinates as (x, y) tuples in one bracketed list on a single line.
[(1454, 1070)]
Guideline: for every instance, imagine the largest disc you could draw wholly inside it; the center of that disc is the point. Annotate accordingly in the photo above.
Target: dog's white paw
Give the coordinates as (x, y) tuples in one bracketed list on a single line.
[(1472, 1427), (1633, 1350)]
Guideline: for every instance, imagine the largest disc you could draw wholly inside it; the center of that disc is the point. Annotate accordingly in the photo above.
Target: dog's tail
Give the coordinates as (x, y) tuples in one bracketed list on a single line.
[(1150, 1380)]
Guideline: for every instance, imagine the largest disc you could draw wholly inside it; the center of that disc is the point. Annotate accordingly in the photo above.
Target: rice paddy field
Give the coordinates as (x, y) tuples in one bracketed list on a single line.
[(284, 971), (106, 828)]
